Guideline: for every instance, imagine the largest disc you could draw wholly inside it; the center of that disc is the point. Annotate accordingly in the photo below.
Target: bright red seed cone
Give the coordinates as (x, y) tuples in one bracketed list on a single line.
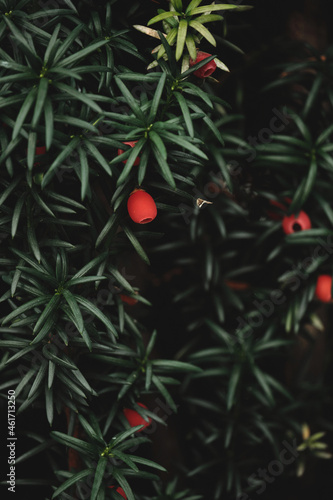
[(121, 151), (120, 491), (292, 224), (141, 207), (323, 288), (205, 70), (134, 418)]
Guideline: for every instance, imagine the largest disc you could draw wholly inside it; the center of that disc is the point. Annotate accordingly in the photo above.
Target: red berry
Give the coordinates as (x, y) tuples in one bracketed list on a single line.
[(129, 300), (205, 70), (324, 287), (134, 418), (120, 491), (121, 151), (292, 224), (141, 207)]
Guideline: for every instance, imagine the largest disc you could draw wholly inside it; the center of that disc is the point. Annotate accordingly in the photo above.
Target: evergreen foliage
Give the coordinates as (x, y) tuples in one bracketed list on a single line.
[(203, 347)]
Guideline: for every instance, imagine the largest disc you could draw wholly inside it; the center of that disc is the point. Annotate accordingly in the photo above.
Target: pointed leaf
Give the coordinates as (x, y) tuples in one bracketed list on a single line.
[(192, 5), (40, 100), (208, 18), (123, 483), (157, 98), (164, 15), (98, 156), (186, 112), (99, 475), (203, 31), (181, 141), (165, 169), (170, 55), (88, 267), (177, 4), (221, 65), (59, 160), (181, 37), (126, 459), (38, 380), (69, 297), (25, 307), (16, 214), (130, 100), (50, 308), (49, 404), (165, 393), (28, 102), (84, 170), (233, 384), (122, 436), (75, 94), (136, 244), (90, 307), (131, 160), (170, 38), (149, 463), (32, 140), (190, 44), (74, 58), (75, 478), (220, 6), (155, 138)]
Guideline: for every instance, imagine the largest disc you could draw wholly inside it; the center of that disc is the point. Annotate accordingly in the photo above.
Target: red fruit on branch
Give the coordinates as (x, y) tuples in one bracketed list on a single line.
[(323, 288), (141, 207), (134, 418), (205, 70), (120, 491), (121, 151), (292, 224)]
